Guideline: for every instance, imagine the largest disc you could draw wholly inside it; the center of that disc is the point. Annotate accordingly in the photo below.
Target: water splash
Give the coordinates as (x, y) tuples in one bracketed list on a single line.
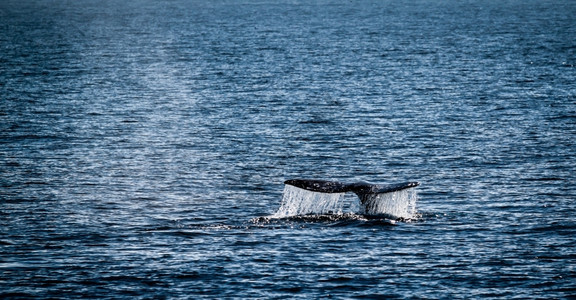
[(297, 201), (400, 204), (301, 202)]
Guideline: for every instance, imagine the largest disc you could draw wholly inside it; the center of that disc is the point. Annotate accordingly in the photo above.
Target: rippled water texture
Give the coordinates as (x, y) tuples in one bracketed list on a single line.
[(144, 145)]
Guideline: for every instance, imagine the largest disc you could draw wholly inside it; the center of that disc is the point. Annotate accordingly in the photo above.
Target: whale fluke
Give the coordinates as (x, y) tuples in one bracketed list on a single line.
[(359, 188), (375, 199)]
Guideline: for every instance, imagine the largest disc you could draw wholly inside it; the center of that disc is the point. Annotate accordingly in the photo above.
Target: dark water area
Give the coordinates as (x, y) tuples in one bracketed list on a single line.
[(143, 145)]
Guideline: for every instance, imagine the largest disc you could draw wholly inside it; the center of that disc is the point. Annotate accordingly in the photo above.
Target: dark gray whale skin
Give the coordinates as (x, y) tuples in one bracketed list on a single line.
[(359, 188)]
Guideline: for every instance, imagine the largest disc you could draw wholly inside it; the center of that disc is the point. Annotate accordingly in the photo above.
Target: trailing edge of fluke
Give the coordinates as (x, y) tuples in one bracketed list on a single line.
[(359, 188)]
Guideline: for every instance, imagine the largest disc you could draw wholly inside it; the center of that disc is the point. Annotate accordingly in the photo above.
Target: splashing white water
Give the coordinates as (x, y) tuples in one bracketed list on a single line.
[(297, 202), (400, 204)]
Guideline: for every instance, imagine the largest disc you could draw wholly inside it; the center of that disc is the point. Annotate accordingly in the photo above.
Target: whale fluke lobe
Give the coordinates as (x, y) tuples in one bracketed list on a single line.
[(322, 186), (362, 188), (359, 188)]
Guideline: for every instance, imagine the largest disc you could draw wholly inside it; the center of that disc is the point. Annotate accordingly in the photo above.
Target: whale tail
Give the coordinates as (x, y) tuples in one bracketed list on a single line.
[(375, 199), (360, 188)]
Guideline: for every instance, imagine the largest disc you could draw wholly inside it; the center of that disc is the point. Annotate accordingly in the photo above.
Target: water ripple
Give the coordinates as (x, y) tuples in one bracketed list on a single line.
[(143, 147)]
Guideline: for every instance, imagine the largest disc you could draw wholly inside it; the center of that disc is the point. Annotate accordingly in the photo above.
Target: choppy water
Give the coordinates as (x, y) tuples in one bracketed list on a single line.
[(143, 145)]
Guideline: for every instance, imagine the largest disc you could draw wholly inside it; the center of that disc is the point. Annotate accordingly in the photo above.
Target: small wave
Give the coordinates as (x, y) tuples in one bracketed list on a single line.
[(545, 179), (333, 220)]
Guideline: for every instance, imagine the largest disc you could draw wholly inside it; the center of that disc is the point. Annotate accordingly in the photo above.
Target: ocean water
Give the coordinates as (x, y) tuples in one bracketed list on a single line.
[(144, 145)]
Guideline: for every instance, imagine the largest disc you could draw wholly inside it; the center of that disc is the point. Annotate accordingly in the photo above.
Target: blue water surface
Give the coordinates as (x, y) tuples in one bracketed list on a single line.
[(143, 145)]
